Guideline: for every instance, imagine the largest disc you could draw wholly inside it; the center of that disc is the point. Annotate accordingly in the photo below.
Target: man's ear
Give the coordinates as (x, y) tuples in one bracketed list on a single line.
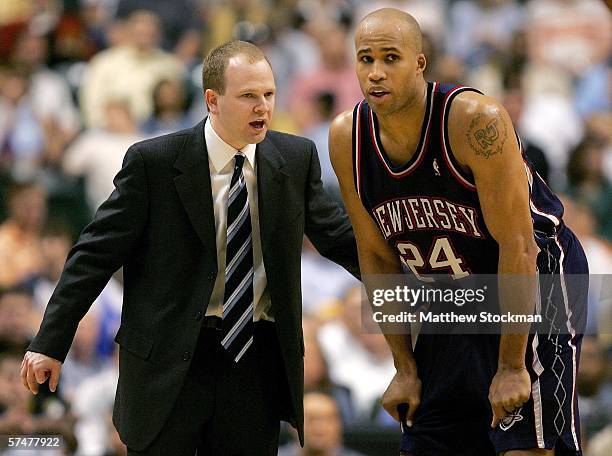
[(421, 63), (211, 98)]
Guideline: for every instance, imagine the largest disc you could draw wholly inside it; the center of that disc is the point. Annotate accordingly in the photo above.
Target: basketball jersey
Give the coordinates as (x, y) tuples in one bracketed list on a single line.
[(428, 209)]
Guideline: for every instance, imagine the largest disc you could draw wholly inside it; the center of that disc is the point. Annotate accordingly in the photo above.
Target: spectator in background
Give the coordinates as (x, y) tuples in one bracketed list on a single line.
[(221, 19), (513, 101), (442, 66), (20, 255), (601, 443), (322, 280), (334, 75), (600, 126), (19, 319), (55, 243), (322, 429), (359, 360), (319, 133), (316, 376), (588, 184), (431, 14), (169, 109), (568, 35), (293, 51), (549, 119), (82, 361), (128, 72), (97, 154), (592, 94), (49, 94), (594, 388), (565, 40), (22, 136), (92, 404), (481, 29)]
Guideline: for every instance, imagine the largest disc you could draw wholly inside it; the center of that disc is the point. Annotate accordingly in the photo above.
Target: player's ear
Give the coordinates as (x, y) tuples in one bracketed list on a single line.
[(421, 63)]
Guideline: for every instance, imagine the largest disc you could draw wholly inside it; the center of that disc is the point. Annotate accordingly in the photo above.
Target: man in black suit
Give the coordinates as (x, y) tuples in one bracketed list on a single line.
[(211, 348)]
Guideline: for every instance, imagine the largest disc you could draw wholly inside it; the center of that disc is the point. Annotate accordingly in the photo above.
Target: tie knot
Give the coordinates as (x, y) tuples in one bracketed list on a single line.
[(239, 160)]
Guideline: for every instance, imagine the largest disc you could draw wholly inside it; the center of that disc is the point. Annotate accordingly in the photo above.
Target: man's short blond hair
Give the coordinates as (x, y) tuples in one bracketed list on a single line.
[(215, 63)]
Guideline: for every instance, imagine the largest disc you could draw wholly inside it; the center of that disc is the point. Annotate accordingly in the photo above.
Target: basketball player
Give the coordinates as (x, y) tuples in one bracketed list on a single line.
[(434, 180)]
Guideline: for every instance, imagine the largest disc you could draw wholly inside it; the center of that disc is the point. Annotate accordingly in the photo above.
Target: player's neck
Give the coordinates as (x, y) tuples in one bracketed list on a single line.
[(405, 123), (400, 131)]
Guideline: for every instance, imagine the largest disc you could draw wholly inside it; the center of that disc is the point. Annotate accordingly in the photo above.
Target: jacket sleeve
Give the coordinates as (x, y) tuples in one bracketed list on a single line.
[(102, 248), (327, 224)]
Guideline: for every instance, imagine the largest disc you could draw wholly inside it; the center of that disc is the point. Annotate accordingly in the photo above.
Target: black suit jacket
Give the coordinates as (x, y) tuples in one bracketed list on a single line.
[(159, 225)]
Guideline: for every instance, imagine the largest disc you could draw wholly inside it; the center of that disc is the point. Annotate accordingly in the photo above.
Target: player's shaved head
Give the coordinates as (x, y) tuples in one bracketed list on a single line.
[(394, 21)]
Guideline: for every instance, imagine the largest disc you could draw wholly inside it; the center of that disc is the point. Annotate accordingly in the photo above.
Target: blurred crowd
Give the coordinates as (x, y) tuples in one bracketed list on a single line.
[(81, 80)]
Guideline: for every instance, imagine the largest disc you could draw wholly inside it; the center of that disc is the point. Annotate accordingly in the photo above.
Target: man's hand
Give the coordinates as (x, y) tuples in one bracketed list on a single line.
[(510, 389), (404, 388), (36, 368)]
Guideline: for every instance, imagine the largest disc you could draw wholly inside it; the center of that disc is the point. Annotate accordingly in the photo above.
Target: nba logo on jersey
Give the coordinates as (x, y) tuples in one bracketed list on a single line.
[(436, 167)]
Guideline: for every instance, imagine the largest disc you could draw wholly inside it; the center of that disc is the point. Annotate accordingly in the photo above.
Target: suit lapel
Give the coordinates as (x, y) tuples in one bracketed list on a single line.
[(194, 188), (270, 184)]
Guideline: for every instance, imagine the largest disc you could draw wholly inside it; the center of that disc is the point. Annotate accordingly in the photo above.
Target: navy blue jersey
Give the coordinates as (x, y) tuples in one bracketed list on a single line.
[(428, 208), (429, 212)]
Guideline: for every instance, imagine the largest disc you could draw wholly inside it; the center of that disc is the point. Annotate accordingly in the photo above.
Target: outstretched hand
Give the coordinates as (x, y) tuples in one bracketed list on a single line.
[(36, 368)]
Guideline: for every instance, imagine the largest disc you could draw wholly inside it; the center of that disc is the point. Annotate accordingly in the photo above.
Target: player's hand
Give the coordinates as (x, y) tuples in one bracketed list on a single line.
[(509, 390), (404, 388), (36, 368)]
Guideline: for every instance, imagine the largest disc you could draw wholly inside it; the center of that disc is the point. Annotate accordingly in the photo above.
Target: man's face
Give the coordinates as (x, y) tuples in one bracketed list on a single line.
[(242, 114), (322, 425), (144, 32), (29, 208), (387, 66)]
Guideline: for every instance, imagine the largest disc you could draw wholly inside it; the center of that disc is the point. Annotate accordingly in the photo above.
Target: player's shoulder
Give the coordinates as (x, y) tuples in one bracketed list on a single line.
[(340, 134), (340, 143), (342, 126), (469, 103)]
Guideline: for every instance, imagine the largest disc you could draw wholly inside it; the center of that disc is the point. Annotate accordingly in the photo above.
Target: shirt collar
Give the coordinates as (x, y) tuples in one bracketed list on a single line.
[(220, 152)]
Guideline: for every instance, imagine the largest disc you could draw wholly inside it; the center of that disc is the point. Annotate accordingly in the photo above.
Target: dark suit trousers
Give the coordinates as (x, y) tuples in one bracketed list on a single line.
[(224, 408)]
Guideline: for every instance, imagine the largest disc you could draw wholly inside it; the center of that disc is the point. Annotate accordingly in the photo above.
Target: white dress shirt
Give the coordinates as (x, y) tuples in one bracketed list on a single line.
[(221, 167)]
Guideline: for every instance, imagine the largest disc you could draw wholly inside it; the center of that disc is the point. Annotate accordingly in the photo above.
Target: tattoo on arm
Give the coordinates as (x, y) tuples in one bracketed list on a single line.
[(487, 136)]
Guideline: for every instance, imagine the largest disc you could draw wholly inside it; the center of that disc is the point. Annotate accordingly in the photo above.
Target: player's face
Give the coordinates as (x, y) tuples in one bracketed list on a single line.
[(242, 114), (387, 67)]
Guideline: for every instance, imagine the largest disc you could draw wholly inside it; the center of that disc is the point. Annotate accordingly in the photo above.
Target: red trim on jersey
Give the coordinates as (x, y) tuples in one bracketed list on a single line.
[(420, 152), (358, 148)]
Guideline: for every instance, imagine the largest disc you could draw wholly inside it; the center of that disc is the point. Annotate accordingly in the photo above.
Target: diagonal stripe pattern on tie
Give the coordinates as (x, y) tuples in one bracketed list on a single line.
[(237, 325)]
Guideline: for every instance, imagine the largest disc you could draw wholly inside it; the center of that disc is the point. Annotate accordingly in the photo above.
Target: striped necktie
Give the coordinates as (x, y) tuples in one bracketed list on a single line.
[(237, 325)]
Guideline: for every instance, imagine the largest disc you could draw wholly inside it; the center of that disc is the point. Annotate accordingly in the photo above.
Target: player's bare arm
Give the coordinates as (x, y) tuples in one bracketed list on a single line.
[(483, 140), (375, 257)]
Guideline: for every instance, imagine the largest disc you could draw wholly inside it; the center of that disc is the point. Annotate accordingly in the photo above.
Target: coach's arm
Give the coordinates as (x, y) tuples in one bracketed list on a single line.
[(102, 248)]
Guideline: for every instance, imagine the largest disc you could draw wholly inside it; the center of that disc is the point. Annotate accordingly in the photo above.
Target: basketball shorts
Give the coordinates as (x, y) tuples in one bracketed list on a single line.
[(456, 371)]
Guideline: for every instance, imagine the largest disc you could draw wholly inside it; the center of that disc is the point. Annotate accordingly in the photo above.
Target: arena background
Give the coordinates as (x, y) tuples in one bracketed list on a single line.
[(81, 80)]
